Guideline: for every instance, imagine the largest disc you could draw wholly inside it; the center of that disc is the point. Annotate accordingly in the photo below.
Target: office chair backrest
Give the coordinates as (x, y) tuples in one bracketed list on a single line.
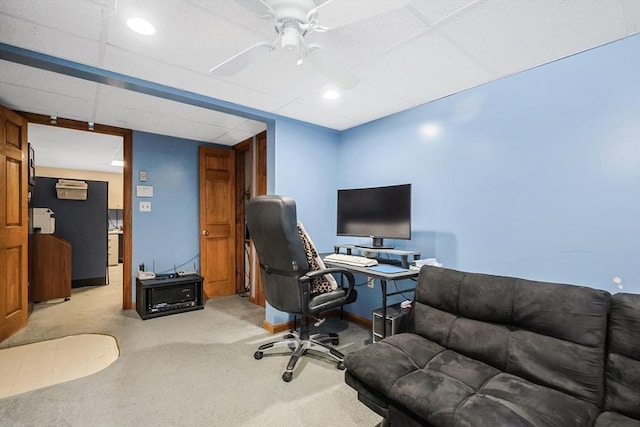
[(271, 221)]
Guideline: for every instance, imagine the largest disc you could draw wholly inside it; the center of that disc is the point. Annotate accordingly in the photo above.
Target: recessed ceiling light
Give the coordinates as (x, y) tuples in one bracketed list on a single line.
[(331, 94), (118, 163), (141, 26)]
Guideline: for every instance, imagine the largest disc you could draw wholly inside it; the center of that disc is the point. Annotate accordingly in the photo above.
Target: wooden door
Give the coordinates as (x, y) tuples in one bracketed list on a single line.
[(217, 221), (13, 223)]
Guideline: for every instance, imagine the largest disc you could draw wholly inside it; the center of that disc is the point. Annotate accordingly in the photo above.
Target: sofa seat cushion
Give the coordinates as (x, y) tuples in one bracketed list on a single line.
[(380, 365), (510, 400), (614, 419), (443, 387)]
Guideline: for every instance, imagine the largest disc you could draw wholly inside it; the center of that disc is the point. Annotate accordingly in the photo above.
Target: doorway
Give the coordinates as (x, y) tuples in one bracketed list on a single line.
[(250, 181), (124, 195)]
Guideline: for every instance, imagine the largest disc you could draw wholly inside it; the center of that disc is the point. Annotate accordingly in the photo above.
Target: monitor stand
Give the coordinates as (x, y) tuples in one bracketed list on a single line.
[(377, 244)]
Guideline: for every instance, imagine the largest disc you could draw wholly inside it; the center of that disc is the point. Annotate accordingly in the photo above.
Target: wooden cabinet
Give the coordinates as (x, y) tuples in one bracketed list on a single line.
[(50, 267)]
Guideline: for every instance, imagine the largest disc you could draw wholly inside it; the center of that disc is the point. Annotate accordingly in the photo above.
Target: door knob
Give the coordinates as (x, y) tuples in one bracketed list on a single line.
[(205, 233)]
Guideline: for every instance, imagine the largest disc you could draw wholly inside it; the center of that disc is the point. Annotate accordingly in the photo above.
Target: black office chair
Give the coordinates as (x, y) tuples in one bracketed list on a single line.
[(287, 278)]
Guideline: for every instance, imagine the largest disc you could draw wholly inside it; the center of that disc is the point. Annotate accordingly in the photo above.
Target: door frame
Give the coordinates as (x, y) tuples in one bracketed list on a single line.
[(256, 149), (127, 182)]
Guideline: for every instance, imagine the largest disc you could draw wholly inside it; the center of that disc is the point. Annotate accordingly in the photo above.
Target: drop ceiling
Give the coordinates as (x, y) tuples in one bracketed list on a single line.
[(425, 50)]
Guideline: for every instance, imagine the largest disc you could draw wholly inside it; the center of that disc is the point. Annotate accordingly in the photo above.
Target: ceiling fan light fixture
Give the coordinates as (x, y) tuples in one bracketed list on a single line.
[(141, 26), (290, 39)]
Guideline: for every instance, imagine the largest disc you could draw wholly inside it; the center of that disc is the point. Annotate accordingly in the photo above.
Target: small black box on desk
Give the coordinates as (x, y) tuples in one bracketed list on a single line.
[(168, 294), (397, 320)]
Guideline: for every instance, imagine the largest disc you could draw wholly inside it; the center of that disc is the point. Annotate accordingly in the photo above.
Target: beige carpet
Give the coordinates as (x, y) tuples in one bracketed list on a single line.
[(42, 364), (187, 369)]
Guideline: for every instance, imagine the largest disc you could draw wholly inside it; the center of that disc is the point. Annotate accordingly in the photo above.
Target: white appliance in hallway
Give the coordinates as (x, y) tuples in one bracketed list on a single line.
[(44, 220)]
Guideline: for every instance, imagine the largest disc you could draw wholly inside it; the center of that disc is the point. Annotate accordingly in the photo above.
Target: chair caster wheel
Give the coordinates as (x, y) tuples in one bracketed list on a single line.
[(335, 341), (340, 366), (257, 355), (287, 376)]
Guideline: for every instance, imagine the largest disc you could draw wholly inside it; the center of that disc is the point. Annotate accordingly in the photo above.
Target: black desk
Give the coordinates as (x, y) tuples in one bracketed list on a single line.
[(383, 278)]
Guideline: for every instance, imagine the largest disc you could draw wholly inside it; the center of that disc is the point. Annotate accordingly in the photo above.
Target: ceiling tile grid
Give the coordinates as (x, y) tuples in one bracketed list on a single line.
[(138, 66), (408, 56), (528, 33), (41, 38), (46, 81)]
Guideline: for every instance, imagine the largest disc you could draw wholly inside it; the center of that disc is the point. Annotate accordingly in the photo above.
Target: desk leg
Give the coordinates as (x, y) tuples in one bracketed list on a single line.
[(383, 286)]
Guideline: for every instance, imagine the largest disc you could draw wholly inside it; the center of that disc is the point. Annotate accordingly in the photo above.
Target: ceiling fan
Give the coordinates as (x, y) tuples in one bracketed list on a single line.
[(294, 20)]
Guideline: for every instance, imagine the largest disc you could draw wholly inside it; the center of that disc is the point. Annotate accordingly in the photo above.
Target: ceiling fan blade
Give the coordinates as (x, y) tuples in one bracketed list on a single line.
[(338, 13), (242, 60), (332, 70)]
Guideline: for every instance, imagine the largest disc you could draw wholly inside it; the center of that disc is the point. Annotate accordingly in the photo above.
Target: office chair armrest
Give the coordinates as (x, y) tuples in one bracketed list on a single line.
[(306, 279), (333, 270)]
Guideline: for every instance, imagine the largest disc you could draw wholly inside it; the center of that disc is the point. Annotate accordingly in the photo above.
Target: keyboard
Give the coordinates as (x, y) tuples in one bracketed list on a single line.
[(358, 261)]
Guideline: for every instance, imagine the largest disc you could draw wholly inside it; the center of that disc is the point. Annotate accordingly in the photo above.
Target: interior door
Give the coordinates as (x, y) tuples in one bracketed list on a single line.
[(217, 221), (13, 223)]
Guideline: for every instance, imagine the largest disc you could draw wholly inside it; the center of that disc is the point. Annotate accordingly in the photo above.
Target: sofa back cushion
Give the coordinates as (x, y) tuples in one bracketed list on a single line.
[(551, 334), (622, 376)]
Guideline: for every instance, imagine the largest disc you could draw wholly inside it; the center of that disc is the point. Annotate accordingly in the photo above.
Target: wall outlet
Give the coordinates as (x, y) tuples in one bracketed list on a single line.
[(145, 206), (370, 282)]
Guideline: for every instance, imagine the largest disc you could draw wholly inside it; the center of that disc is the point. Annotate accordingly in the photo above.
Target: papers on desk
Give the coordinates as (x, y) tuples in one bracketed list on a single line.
[(387, 268)]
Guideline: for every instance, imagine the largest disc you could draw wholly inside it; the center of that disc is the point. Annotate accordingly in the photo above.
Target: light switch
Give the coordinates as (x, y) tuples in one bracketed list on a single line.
[(145, 206)]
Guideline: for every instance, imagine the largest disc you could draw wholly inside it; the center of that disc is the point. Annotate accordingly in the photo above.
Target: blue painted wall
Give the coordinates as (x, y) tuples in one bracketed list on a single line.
[(305, 160), (169, 234), (536, 175)]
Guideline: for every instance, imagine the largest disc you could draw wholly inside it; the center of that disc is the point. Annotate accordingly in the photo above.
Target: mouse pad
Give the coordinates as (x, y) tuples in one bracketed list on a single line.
[(386, 268)]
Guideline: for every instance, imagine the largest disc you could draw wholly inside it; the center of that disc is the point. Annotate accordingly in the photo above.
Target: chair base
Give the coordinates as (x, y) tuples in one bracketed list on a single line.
[(300, 346)]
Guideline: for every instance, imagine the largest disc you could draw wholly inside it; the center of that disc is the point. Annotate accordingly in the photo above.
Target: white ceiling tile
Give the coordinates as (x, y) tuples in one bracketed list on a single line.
[(202, 83), (362, 104), (526, 33), (43, 39), (280, 76), (366, 39), (415, 54), (144, 112), (47, 81), (426, 68), (31, 100), (251, 126), (301, 111), (631, 10), (434, 11), (208, 41), (233, 137), (74, 17)]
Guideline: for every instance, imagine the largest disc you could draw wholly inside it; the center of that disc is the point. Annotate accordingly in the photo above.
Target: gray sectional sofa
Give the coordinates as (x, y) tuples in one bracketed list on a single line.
[(488, 350)]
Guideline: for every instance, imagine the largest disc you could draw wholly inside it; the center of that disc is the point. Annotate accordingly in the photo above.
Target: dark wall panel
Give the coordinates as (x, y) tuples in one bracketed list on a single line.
[(83, 223)]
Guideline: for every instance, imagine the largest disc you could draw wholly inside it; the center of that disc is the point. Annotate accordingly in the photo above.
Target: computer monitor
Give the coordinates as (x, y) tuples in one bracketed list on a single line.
[(378, 212)]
